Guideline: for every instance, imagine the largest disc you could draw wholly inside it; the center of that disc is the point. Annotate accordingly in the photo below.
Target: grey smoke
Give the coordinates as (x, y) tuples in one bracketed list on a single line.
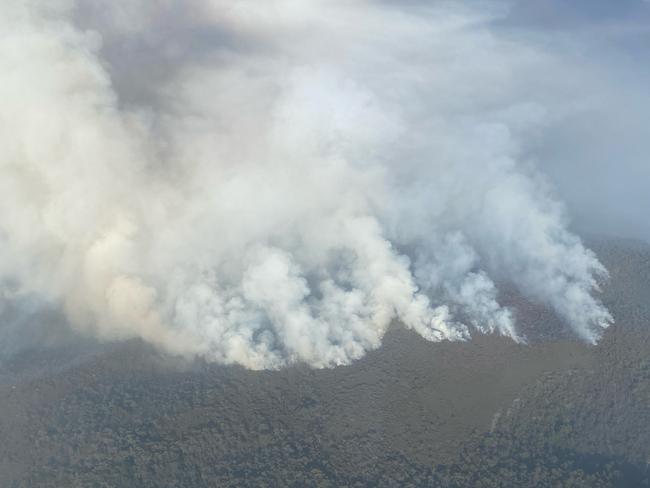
[(266, 183), (597, 156)]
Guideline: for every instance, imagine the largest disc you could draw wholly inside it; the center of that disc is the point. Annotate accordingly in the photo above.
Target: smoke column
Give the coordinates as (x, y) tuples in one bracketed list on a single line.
[(265, 183)]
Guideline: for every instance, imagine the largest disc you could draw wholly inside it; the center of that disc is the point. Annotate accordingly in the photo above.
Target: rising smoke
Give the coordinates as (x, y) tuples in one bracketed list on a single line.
[(265, 183)]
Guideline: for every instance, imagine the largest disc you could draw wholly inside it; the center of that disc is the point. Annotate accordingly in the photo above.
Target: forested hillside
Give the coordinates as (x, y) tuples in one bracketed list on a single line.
[(486, 413)]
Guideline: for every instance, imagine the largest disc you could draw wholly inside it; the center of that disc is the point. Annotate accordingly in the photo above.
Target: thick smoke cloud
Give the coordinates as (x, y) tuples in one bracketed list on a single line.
[(267, 183)]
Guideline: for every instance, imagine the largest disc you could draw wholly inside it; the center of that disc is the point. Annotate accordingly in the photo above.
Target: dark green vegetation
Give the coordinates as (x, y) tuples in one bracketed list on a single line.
[(488, 413)]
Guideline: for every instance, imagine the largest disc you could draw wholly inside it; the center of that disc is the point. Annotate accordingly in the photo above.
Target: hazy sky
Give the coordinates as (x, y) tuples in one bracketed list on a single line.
[(599, 159)]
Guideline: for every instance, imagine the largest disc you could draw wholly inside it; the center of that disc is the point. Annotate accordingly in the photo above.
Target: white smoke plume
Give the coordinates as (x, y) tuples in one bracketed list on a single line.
[(265, 183)]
